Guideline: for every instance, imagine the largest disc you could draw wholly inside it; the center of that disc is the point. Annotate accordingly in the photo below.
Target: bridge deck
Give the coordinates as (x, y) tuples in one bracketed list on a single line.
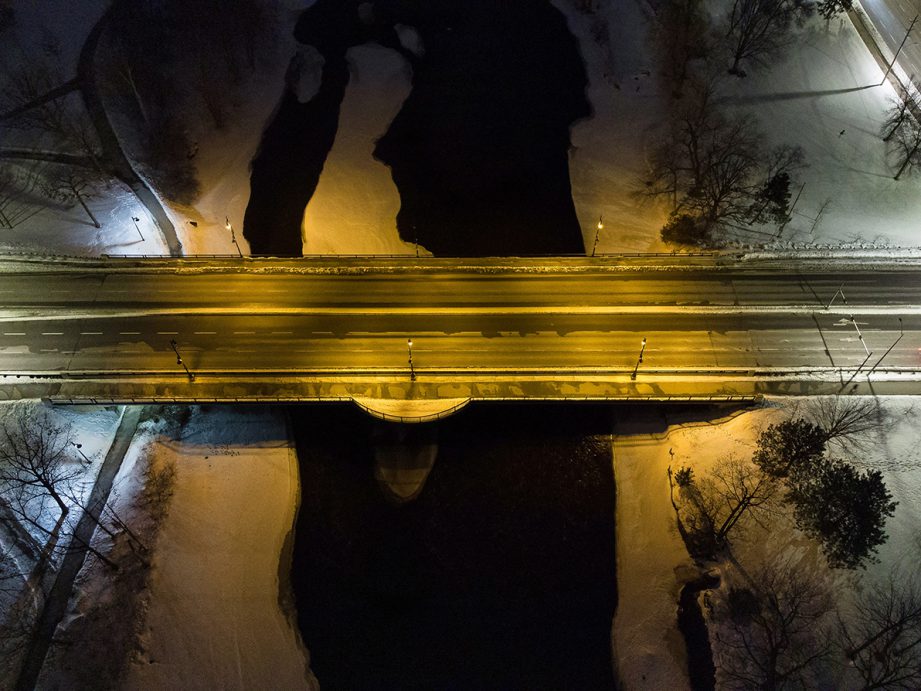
[(502, 329)]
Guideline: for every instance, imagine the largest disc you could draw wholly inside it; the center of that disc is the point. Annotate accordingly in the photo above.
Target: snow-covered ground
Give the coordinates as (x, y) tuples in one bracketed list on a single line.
[(220, 612), (652, 561), (93, 428), (354, 208), (827, 82), (236, 480)]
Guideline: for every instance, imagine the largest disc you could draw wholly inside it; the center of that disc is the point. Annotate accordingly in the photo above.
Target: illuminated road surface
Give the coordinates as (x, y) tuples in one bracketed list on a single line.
[(568, 329)]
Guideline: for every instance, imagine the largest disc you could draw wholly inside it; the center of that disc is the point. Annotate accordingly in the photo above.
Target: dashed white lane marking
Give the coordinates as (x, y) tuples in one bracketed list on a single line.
[(205, 333), (49, 350), (14, 333), (167, 333), (129, 333), (52, 333), (91, 333), (282, 333), (244, 333)]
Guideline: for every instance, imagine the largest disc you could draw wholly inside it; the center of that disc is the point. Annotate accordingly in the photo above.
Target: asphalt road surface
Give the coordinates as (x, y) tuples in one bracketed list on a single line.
[(892, 19), (503, 322)]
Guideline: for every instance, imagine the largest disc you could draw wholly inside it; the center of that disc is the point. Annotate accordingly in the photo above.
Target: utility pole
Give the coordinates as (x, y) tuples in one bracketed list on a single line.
[(412, 371), (901, 45), (179, 361), (597, 233), (837, 293), (639, 360), (895, 343), (233, 235)]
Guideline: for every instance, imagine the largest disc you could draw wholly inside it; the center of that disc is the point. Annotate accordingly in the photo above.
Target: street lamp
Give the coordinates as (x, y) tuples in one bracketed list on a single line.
[(639, 359), (233, 235), (860, 336), (597, 233), (79, 448), (136, 219), (179, 361), (412, 371)]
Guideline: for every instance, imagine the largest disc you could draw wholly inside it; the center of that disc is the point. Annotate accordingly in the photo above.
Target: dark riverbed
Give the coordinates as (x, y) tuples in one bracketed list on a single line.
[(479, 150), (500, 575)]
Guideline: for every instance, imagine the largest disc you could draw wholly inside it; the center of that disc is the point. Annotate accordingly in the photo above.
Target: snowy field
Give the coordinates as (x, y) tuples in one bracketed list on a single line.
[(652, 561), (220, 612), (827, 84)]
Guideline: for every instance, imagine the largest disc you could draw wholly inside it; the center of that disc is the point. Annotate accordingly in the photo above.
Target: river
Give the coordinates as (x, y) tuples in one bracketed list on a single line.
[(500, 574)]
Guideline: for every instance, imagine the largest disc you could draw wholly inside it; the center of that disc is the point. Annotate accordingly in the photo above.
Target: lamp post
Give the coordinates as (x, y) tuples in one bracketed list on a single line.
[(233, 235), (597, 233), (412, 371), (860, 336), (179, 361), (639, 360), (79, 448), (137, 227)]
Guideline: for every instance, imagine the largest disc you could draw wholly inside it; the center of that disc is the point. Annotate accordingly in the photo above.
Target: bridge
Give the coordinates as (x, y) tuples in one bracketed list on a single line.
[(654, 328)]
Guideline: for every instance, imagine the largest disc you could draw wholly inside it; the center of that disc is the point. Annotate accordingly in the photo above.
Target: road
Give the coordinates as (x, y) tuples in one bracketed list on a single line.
[(570, 330), (892, 19)]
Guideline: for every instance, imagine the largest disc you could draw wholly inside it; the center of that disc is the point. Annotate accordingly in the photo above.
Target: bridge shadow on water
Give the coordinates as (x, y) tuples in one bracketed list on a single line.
[(500, 575)]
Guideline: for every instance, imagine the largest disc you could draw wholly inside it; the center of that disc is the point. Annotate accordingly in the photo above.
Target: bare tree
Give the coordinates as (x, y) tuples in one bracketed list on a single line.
[(776, 633), (712, 507), (713, 167), (70, 185), (758, 29), (906, 145), (38, 474), (902, 108), (848, 421), (681, 33), (36, 468), (882, 638), (57, 123)]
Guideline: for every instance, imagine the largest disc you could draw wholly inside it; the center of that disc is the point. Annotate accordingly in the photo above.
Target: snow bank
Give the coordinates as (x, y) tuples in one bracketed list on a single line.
[(354, 208), (652, 562), (218, 616)]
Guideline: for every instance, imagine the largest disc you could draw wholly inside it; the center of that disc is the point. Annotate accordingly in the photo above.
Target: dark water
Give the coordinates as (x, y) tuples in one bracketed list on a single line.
[(693, 626), (500, 575), (479, 149)]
